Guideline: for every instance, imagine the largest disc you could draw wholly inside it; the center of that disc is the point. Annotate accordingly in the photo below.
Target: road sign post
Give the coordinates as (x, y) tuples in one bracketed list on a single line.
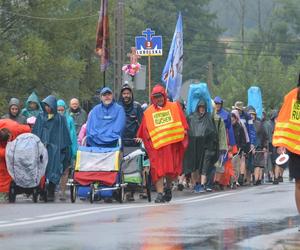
[(149, 45)]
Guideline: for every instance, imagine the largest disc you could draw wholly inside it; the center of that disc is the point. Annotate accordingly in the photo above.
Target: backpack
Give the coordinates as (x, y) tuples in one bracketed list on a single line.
[(26, 160)]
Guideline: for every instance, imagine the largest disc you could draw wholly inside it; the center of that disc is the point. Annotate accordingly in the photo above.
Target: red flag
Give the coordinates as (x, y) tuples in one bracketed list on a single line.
[(102, 36)]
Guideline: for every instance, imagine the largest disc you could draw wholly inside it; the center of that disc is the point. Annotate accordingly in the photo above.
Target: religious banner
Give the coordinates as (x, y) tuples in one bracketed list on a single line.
[(102, 36)]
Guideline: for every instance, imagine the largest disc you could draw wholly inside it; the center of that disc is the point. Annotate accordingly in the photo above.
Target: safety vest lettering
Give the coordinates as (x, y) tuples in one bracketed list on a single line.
[(295, 112), (162, 117)]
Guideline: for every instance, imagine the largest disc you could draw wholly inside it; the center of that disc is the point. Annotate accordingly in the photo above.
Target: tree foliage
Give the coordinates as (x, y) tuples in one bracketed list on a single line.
[(48, 46)]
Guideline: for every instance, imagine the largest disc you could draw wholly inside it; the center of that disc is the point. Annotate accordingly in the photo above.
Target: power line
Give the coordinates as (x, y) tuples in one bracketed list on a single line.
[(233, 41), (239, 53), (49, 18)]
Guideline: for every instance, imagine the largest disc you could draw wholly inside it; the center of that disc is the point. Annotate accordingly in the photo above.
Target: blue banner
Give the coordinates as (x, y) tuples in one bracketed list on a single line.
[(172, 73)]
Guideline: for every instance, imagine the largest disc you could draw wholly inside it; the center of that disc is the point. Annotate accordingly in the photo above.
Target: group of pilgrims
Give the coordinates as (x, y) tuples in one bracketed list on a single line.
[(199, 145)]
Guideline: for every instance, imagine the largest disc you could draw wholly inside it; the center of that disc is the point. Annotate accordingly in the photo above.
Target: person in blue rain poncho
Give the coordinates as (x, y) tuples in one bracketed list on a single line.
[(106, 122), (52, 129), (61, 108), (32, 106)]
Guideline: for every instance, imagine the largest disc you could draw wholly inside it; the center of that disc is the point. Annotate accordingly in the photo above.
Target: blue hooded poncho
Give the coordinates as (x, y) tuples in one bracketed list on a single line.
[(27, 112), (71, 127), (196, 93), (53, 132), (105, 125), (255, 100)]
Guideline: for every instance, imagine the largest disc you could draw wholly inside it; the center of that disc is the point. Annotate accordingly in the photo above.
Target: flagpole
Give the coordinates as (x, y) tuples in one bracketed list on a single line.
[(168, 79), (103, 78), (149, 77)]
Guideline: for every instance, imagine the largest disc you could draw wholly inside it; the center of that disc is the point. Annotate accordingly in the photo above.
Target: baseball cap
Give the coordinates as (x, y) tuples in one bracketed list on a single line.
[(105, 90), (218, 100)]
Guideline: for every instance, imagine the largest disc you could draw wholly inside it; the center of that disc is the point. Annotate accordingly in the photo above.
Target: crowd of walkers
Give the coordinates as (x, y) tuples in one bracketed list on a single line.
[(210, 149)]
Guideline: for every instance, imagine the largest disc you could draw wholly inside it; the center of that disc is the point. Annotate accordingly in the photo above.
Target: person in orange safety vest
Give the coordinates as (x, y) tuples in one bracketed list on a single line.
[(164, 134), (287, 135)]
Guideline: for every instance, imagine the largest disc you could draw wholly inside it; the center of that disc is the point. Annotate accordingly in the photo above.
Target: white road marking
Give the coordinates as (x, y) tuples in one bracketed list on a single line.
[(83, 212), (24, 219), (4, 221), (89, 211), (68, 212)]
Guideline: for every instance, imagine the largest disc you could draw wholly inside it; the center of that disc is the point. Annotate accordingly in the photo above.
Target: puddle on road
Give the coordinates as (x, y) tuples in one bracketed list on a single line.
[(210, 237), (222, 235)]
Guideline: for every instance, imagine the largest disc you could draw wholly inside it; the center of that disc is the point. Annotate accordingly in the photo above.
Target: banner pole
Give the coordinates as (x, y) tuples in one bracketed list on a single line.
[(167, 85), (149, 77), (103, 78)]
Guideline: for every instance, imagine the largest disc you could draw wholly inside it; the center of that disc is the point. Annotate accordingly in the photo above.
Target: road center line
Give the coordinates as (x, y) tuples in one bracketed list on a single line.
[(84, 212)]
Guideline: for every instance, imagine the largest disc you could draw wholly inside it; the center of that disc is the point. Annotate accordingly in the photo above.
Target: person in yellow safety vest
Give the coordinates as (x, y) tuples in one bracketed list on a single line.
[(164, 134), (287, 135)]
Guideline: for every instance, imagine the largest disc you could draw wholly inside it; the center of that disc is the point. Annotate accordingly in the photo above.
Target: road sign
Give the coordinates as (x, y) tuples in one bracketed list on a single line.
[(148, 45)]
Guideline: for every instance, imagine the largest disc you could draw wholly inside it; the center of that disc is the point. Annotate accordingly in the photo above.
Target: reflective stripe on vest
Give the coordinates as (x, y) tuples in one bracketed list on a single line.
[(164, 125), (287, 127)]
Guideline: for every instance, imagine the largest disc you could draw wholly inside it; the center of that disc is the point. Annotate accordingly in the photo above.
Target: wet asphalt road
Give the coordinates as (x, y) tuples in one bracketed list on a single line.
[(262, 217)]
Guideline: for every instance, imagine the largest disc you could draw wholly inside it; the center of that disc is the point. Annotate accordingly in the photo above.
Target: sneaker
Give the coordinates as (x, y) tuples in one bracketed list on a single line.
[(280, 179), (208, 189), (233, 185), (275, 182), (199, 189), (168, 195), (159, 198), (143, 196)]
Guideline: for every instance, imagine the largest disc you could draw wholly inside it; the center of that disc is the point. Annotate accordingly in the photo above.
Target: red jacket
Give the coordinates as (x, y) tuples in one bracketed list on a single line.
[(15, 129)]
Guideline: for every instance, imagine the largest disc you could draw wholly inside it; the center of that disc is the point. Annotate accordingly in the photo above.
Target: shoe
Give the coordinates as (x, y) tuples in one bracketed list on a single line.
[(129, 197), (208, 189), (180, 187), (159, 198), (143, 196), (280, 179), (199, 189), (62, 197), (275, 182), (3, 197), (241, 180), (168, 195), (233, 185)]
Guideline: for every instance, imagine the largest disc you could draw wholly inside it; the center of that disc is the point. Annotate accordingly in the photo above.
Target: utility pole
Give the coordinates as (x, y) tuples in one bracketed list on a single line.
[(243, 13), (210, 75), (119, 45), (259, 17)]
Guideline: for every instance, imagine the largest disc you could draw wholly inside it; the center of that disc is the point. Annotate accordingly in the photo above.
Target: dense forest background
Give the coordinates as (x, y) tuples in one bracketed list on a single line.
[(48, 46)]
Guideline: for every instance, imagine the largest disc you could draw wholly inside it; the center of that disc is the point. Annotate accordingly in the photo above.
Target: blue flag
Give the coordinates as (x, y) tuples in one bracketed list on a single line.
[(172, 73)]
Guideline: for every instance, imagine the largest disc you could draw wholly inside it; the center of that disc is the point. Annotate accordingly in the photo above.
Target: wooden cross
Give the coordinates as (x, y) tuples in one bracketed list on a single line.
[(133, 56)]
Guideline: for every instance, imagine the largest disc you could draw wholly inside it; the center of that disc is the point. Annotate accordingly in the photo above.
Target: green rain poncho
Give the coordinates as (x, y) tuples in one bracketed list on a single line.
[(27, 111), (53, 132)]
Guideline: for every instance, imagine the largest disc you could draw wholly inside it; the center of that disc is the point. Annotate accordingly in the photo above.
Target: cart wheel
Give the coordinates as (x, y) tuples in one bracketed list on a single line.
[(92, 193), (148, 185), (12, 193), (35, 195), (73, 192)]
